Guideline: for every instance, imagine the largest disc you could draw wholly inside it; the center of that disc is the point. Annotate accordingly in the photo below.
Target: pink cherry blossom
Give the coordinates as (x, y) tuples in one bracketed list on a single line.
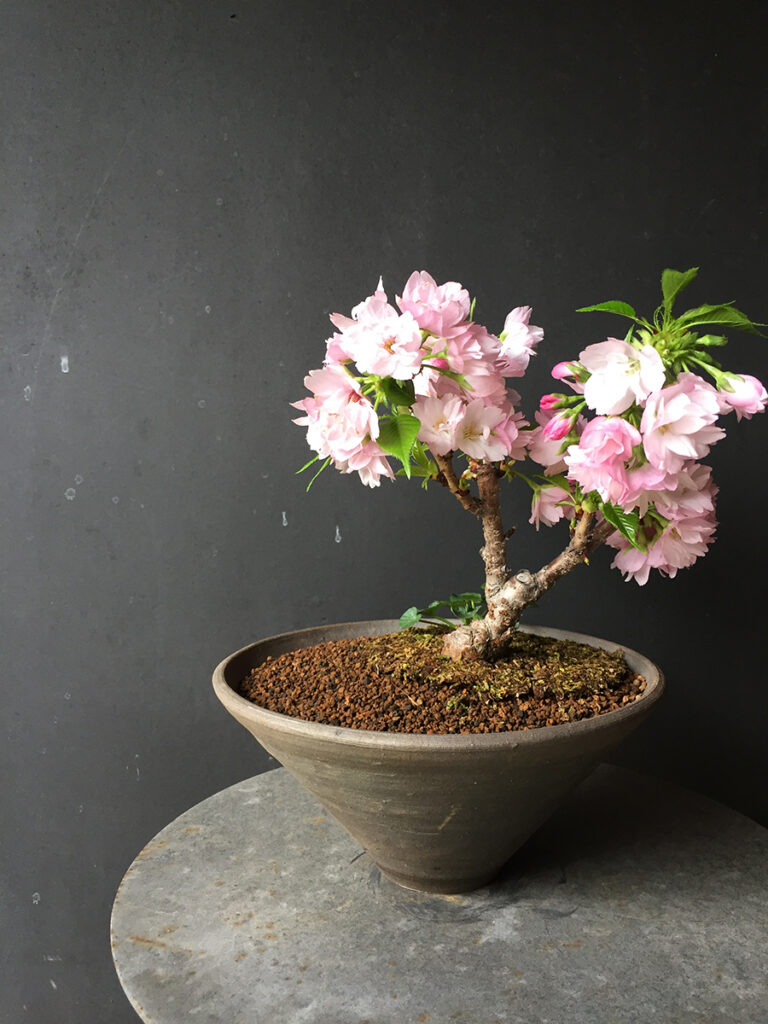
[(331, 385), (620, 375), (677, 423), (545, 451), (437, 308), (439, 419), (466, 346), (599, 461), (511, 428), (693, 493), (342, 424), (370, 463), (367, 312), (341, 431), (747, 397), (683, 541), (377, 339), (336, 349), (519, 341), (690, 508), (391, 348), (643, 484), (483, 375), (476, 434), (467, 349), (549, 506)]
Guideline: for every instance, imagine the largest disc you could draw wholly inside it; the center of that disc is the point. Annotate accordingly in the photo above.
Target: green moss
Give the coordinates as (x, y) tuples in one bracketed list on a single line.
[(535, 665)]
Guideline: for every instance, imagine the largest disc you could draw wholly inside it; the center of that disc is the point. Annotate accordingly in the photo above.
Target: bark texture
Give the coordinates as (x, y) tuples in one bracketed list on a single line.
[(494, 549)]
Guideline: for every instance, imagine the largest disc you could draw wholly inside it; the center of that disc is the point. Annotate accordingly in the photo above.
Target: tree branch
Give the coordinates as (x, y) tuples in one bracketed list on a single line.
[(449, 479), (586, 538)]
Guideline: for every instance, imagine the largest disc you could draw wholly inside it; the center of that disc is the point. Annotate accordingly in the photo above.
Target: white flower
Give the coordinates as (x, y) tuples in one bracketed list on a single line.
[(620, 375), (520, 339)]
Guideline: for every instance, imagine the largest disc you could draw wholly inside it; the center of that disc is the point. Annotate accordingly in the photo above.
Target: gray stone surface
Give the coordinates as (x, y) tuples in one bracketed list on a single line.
[(637, 902)]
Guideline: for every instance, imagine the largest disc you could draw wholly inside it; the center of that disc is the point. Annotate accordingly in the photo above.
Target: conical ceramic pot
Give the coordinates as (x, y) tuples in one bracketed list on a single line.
[(436, 813)]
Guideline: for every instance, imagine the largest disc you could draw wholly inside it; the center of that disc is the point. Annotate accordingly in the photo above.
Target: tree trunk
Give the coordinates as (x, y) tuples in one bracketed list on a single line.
[(490, 637), (508, 596)]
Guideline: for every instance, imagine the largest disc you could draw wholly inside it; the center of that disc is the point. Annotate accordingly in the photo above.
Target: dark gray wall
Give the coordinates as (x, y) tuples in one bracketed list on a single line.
[(188, 189)]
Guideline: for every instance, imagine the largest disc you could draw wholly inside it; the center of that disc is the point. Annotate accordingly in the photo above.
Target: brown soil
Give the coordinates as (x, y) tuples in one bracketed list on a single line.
[(402, 683)]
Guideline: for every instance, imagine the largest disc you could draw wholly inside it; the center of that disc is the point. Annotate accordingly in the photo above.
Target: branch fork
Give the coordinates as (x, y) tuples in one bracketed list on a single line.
[(508, 595)]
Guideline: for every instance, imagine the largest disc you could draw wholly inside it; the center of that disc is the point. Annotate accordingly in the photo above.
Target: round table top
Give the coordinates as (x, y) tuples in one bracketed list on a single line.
[(637, 901)]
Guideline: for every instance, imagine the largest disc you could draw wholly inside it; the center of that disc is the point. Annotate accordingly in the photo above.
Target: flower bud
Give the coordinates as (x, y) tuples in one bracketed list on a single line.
[(556, 428), (562, 370), (550, 401)]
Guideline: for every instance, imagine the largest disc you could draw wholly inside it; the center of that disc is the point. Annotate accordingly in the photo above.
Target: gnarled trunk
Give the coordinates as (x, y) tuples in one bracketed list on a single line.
[(508, 595)]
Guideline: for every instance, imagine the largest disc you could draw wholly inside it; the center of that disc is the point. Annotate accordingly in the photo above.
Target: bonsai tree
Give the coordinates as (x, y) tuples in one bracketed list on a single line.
[(423, 387)]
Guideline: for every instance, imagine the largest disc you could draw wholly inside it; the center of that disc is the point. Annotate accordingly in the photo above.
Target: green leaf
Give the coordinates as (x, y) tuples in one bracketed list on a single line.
[(627, 523), (410, 617), (557, 480), (317, 474), (673, 282), (467, 606), (307, 465), (397, 436), (427, 472), (472, 310), (421, 465), (614, 306), (725, 313), (432, 607), (420, 455), (398, 392), (658, 520)]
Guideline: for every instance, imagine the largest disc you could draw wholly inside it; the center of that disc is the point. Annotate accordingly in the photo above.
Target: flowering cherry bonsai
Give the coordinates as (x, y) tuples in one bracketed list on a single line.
[(616, 456)]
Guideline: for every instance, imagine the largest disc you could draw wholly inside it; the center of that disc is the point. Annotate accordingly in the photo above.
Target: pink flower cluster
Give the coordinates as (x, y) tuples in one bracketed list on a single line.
[(342, 424), (456, 367), (641, 451), (418, 377), (690, 511)]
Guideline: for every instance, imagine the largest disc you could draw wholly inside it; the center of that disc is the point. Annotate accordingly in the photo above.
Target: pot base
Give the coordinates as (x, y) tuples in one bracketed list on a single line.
[(441, 887)]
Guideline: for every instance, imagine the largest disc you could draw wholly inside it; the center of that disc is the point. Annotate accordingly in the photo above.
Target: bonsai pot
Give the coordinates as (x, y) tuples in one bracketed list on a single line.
[(436, 813)]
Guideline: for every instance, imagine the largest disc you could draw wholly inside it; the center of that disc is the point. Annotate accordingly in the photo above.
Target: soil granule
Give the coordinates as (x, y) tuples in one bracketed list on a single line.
[(401, 682)]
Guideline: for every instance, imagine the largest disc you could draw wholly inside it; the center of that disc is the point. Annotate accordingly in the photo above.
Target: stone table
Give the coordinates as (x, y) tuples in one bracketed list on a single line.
[(637, 902)]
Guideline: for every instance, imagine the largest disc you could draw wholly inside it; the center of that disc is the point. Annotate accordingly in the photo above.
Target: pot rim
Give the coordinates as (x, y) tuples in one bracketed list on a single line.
[(245, 709)]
